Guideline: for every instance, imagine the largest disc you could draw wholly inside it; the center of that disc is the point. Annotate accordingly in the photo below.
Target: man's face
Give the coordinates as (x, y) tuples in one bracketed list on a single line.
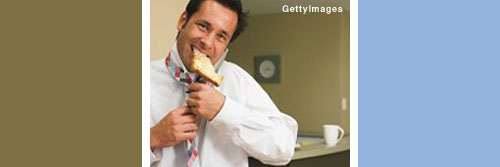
[(209, 30)]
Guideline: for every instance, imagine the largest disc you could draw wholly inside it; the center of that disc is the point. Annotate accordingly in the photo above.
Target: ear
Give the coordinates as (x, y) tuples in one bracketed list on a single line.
[(182, 21)]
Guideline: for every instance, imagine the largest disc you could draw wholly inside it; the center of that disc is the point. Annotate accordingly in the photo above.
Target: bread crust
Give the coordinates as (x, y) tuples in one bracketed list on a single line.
[(198, 57)]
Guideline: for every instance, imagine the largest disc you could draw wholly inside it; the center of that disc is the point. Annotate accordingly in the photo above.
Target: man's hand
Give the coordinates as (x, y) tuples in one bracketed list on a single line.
[(204, 100), (179, 125)]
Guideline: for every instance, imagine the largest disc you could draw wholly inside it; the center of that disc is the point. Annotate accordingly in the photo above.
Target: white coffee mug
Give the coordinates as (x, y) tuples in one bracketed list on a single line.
[(331, 134)]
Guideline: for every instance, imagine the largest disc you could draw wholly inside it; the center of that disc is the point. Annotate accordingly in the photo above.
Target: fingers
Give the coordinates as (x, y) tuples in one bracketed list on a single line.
[(189, 135), (186, 131), (195, 87), (192, 103), (185, 135), (181, 115), (194, 106), (182, 111), (186, 119), (195, 95), (186, 128)]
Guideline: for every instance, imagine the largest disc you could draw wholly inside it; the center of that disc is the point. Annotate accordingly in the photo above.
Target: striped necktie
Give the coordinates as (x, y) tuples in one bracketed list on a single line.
[(183, 77)]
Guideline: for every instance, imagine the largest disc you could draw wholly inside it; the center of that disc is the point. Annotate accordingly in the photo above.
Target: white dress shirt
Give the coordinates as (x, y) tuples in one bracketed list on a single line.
[(249, 123)]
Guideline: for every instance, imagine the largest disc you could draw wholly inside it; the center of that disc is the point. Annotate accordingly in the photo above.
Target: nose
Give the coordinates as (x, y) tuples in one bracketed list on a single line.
[(207, 41)]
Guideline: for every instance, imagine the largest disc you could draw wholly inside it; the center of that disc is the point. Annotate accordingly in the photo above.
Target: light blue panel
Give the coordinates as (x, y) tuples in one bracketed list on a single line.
[(429, 78)]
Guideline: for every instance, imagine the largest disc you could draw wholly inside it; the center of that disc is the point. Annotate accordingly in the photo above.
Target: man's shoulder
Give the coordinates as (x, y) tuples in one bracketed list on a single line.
[(157, 65), (232, 69), (236, 73), (231, 66)]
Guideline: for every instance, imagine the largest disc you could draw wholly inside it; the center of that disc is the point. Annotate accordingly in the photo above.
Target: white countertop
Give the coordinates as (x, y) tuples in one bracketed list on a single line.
[(317, 147)]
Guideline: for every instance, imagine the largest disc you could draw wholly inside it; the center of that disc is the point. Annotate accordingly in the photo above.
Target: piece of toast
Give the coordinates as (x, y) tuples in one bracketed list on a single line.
[(204, 67)]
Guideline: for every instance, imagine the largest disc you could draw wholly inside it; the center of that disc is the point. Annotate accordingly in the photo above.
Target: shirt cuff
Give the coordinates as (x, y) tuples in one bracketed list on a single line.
[(229, 116), (155, 156)]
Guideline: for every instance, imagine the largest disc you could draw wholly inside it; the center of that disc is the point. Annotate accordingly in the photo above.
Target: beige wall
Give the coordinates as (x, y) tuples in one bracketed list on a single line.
[(314, 51), (164, 17)]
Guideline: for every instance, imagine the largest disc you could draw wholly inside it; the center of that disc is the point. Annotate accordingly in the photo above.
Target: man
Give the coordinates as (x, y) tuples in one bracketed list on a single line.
[(196, 124)]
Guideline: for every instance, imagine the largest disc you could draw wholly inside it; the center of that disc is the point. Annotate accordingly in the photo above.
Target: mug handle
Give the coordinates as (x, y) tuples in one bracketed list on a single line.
[(341, 134)]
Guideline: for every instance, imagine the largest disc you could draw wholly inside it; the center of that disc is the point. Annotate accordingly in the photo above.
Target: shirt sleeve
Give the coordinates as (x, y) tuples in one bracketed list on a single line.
[(258, 127), (155, 155)]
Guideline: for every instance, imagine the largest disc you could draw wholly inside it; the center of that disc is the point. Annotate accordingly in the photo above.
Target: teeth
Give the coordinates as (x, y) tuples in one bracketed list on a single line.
[(199, 52)]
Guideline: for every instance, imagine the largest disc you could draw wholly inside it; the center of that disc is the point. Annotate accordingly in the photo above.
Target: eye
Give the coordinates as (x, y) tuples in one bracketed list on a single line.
[(221, 37), (202, 27)]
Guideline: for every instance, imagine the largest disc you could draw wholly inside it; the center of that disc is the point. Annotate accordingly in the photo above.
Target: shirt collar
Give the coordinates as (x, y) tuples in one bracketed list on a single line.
[(174, 53), (175, 56)]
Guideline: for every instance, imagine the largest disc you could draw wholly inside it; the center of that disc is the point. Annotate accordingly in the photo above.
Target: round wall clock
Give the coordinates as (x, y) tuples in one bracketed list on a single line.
[(267, 69)]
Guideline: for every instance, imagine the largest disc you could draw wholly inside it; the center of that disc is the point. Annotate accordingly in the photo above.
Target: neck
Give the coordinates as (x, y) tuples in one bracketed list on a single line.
[(182, 62)]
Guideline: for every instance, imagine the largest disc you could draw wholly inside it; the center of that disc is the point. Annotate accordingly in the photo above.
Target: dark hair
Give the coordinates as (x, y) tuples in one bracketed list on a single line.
[(235, 5)]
